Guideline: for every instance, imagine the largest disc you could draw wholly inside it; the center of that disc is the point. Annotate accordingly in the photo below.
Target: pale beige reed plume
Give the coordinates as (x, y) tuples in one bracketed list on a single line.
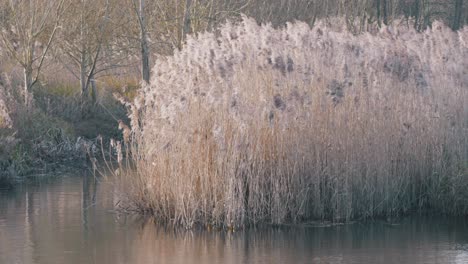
[(252, 124)]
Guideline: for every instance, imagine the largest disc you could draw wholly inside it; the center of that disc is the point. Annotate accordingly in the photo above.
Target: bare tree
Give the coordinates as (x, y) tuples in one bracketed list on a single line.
[(86, 32), (27, 31)]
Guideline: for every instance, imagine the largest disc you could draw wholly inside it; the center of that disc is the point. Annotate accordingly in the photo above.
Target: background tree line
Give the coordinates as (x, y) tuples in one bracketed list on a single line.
[(94, 38)]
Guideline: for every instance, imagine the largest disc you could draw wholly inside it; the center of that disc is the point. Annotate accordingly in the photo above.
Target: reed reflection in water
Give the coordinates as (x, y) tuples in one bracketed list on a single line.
[(71, 220)]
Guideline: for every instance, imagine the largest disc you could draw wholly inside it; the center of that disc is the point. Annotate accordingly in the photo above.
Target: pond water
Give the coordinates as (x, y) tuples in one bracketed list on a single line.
[(70, 220)]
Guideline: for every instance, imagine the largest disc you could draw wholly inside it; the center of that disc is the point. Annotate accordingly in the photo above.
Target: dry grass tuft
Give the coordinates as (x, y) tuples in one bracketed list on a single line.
[(254, 124)]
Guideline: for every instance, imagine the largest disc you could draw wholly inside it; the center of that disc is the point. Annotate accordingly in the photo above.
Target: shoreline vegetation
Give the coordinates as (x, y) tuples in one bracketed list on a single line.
[(54, 133), (253, 124)]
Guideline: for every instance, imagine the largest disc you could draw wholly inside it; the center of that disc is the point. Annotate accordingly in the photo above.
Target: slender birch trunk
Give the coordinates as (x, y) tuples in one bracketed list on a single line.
[(28, 72)]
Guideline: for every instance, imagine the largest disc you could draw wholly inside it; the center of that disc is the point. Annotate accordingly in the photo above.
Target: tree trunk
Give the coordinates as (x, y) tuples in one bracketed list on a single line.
[(426, 14), (385, 12), (93, 89), (187, 19), (145, 70), (28, 72), (417, 15), (83, 59), (83, 76), (378, 12), (457, 16)]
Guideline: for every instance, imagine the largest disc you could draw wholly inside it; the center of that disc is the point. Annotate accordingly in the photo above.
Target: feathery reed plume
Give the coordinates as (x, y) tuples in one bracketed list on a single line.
[(253, 124)]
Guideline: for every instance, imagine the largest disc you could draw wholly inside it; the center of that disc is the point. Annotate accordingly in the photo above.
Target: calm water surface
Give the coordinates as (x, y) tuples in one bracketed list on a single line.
[(70, 220)]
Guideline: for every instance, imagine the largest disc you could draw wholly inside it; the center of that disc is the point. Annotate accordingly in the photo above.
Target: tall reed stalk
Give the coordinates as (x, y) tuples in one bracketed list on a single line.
[(252, 124)]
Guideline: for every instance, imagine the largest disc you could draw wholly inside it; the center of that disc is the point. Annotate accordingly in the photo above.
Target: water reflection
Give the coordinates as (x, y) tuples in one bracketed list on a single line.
[(70, 220)]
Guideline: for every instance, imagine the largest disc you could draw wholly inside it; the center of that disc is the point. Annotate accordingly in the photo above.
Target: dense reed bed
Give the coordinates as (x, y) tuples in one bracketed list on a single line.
[(252, 124)]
